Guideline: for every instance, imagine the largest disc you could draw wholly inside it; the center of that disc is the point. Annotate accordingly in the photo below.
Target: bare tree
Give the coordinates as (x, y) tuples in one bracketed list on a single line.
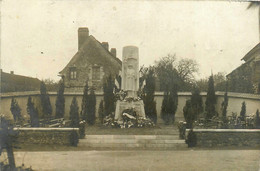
[(186, 69)]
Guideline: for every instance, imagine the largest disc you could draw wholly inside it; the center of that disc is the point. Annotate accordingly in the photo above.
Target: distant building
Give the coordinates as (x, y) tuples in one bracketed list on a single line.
[(93, 62), (15, 83), (246, 78)]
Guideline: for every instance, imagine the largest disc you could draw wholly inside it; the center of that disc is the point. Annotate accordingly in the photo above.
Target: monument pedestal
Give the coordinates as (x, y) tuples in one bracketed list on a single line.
[(138, 107)]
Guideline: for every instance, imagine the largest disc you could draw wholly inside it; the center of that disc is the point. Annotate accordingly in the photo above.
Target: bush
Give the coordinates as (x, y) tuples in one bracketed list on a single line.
[(109, 96), (191, 139), (211, 99), (88, 105), (33, 113), (84, 103), (74, 113), (16, 110), (45, 102), (189, 114), (101, 113), (60, 101), (148, 97), (196, 102), (169, 105), (224, 106), (91, 108), (243, 111)]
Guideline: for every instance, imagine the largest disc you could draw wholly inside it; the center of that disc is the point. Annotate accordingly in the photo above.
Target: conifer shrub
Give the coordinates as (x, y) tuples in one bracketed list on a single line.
[(191, 139), (45, 102), (15, 110), (60, 101), (33, 113)]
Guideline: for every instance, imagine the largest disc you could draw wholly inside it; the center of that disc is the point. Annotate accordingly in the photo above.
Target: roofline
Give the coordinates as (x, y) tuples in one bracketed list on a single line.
[(21, 76), (117, 59), (252, 51), (235, 69), (108, 51)]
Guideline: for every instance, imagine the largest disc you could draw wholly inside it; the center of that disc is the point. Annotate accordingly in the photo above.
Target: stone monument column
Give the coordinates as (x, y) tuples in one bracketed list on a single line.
[(130, 70)]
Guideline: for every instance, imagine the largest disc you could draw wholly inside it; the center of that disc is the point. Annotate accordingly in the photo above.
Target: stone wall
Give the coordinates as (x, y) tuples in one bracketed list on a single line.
[(235, 99), (45, 136), (227, 137)]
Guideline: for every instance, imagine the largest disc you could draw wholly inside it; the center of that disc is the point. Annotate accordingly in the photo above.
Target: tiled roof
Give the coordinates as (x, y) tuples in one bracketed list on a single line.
[(252, 53), (92, 49), (13, 82)]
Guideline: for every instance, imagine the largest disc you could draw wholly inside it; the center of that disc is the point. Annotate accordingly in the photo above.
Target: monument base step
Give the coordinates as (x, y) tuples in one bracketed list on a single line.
[(133, 142)]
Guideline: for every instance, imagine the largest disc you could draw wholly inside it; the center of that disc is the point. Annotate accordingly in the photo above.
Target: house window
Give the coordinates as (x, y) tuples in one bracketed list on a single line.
[(96, 73), (73, 73)]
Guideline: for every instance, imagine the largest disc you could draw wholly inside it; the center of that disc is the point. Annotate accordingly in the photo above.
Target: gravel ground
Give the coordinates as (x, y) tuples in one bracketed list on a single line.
[(188, 160)]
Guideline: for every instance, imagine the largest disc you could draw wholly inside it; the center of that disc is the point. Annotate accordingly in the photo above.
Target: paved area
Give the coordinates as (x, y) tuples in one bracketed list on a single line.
[(186, 160)]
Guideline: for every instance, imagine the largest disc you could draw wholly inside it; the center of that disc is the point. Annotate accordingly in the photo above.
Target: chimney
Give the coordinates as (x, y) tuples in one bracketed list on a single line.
[(11, 72), (113, 51), (105, 45), (83, 34)]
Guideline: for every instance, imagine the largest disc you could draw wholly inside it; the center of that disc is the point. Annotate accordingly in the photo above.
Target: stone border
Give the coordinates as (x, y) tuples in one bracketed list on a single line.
[(47, 136), (46, 129), (226, 137), (224, 130)]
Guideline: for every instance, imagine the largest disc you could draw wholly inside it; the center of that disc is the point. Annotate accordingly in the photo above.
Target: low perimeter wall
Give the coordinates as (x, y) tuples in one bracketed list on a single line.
[(234, 102), (45, 136), (227, 137)]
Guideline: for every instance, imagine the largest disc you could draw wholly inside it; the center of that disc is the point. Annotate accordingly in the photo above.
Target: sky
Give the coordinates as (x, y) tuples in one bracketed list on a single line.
[(39, 37)]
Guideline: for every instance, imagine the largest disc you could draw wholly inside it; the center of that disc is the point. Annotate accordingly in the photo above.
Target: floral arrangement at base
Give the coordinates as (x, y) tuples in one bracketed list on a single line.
[(128, 121)]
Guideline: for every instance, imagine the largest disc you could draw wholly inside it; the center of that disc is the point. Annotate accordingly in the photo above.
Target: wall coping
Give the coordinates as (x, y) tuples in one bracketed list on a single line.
[(46, 129), (218, 93), (225, 130)]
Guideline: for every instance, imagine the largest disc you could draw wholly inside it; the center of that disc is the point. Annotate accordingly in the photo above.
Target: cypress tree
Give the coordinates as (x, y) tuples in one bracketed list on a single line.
[(211, 99), (45, 101), (84, 102), (33, 113), (101, 111), (196, 102), (74, 117), (60, 101), (173, 101), (243, 112), (169, 104), (91, 108), (189, 113), (74, 113), (224, 106), (109, 97), (164, 112), (16, 110), (149, 103)]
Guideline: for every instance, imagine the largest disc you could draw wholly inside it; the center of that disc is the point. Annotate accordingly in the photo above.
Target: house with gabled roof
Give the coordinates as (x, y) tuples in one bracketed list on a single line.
[(10, 82), (248, 71), (93, 63)]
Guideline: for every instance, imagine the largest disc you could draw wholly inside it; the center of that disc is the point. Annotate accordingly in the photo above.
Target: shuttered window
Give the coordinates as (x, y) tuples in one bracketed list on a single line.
[(96, 73)]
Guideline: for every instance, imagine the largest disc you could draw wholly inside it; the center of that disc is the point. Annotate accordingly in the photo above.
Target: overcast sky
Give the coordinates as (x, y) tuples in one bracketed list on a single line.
[(216, 34)]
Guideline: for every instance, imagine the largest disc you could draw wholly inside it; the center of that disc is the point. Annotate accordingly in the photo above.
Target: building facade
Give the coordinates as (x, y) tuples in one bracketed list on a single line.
[(246, 78), (92, 63)]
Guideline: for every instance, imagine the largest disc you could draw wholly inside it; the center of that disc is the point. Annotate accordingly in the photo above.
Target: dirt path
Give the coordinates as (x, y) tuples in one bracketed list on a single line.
[(213, 160)]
